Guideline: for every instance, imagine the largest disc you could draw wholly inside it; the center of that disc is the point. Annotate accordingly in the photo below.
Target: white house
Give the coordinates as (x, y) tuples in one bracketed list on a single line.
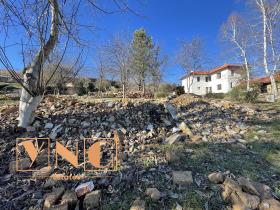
[(219, 80)]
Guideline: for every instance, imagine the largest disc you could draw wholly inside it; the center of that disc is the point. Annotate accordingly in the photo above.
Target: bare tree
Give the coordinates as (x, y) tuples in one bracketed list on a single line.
[(102, 66), (118, 49), (191, 57), (47, 23), (268, 12), (159, 66), (238, 37)]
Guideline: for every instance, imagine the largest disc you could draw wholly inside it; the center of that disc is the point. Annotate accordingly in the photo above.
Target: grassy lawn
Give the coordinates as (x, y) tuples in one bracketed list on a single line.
[(260, 162)]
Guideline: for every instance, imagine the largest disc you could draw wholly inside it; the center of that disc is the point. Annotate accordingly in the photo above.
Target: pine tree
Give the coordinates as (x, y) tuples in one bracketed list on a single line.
[(141, 56)]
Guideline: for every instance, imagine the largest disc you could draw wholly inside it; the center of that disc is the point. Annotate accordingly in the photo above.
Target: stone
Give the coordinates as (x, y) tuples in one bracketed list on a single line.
[(185, 129), (183, 178), (226, 193), (250, 201), (92, 200), (60, 207), (85, 124), (269, 204), (111, 119), (172, 139), (45, 171), (232, 184), (216, 178), (172, 157), (171, 110), (70, 198), (237, 203), (84, 188), (111, 104), (122, 156), (119, 136), (50, 183), (247, 186), (53, 197), (150, 127), (154, 193), (23, 164), (138, 205), (49, 126), (270, 98), (30, 129)]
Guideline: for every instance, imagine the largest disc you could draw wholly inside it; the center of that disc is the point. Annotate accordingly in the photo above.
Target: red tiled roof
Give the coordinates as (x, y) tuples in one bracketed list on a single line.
[(205, 72), (224, 66), (259, 80), (265, 79), (195, 73)]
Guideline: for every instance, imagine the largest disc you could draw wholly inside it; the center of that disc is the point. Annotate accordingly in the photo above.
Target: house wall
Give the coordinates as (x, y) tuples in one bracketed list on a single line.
[(227, 81)]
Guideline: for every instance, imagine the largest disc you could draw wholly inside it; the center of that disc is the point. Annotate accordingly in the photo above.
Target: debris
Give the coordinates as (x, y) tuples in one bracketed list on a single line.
[(84, 188)]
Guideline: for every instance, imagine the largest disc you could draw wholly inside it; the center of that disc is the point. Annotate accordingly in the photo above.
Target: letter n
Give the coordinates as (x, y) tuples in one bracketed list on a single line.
[(69, 156)]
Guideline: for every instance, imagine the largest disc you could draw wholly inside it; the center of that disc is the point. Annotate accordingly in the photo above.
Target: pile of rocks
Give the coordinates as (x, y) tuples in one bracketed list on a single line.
[(244, 193)]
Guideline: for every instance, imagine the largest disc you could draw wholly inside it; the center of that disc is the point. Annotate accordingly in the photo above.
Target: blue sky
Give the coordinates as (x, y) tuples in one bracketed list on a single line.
[(167, 20)]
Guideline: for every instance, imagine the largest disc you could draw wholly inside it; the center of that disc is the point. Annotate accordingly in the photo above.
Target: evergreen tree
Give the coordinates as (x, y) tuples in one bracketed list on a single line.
[(141, 56)]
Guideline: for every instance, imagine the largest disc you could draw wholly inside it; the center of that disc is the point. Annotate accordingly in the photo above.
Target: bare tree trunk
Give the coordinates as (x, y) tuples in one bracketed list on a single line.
[(124, 90), (247, 73), (273, 84), (28, 104), (144, 91)]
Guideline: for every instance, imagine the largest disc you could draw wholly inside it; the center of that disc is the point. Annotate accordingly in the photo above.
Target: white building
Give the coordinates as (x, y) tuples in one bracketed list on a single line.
[(219, 80)]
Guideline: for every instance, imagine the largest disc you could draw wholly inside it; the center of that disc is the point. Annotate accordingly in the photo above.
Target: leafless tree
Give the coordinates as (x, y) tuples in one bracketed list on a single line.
[(238, 37), (268, 14), (102, 66), (191, 57), (118, 48), (159, 66), (47, 25)]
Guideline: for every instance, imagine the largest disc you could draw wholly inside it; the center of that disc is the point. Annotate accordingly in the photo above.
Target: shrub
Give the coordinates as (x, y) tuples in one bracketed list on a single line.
[(179, 90), (251, 96), (91, 87), (161, 95), (236, 94), (215, 95)]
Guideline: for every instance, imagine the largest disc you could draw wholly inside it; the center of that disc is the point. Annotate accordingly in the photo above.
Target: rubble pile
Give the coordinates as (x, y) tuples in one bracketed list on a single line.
[(140, 127), (244, 193)]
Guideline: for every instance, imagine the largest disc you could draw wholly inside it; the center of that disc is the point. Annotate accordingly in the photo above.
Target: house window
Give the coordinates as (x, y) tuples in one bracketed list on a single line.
[(231, 85), (198, 79), (219, 87), (198, 88), (206, 79), (232, 72), (209, 78), (219, 75)]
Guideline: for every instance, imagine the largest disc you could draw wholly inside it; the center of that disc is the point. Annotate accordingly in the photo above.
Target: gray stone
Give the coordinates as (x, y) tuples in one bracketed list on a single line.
[(23, 164), (183, 178), (111, 104), (49, 126), (172, 139), (270, 98), (92, 200), (171, 110)]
